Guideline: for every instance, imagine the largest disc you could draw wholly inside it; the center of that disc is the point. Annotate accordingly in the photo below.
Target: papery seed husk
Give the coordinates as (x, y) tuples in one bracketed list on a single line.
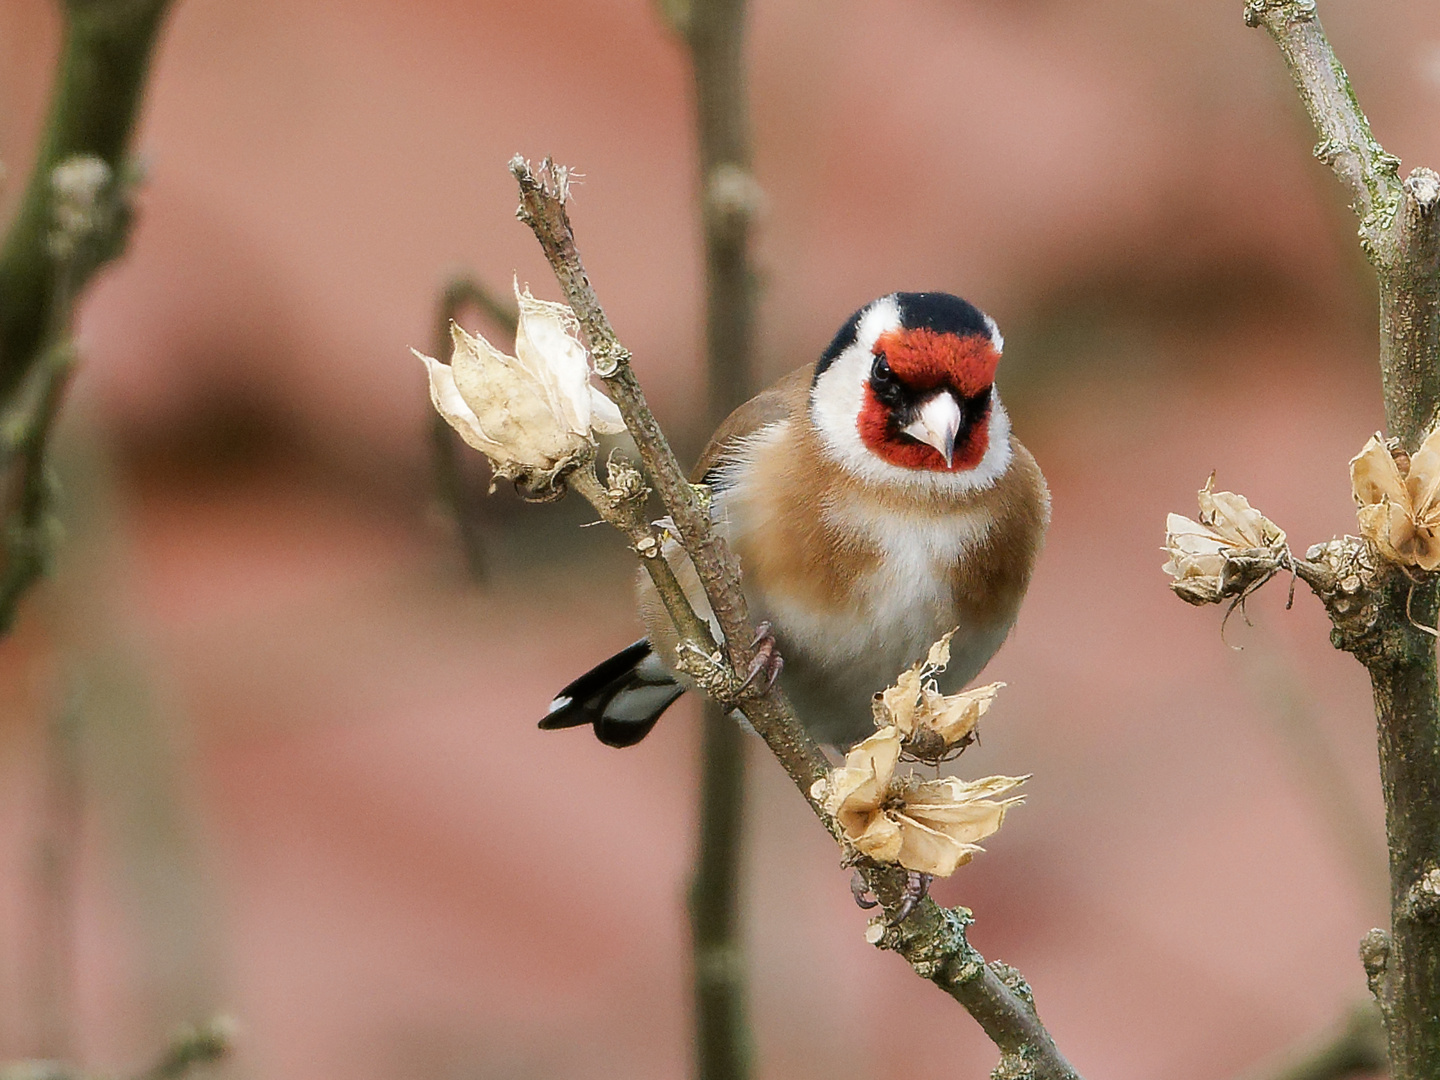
[(880, 837), (1235, 521), (510, 407), (939, 655), (1198, 590), (930, 851), (1374, 476), (1422, 479), (449, 404)]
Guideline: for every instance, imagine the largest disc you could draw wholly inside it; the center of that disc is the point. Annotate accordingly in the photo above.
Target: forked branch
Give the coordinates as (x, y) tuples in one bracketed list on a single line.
[(1384, 613)]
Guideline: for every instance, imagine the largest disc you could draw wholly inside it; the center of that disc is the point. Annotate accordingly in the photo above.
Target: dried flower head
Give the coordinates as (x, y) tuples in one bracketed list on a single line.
[(932, 724), (1230, 550), (534, 414), (1399, 500), (933, 826)]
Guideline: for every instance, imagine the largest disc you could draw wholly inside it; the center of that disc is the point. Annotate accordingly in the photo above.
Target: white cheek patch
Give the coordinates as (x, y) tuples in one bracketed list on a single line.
[(996, 338), (839, 393)]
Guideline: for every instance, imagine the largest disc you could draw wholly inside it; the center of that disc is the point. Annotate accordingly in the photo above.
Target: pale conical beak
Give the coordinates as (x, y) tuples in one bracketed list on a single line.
[(938, 423)]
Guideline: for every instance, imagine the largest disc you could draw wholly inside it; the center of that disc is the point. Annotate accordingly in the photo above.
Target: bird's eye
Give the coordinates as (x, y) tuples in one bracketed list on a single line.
[(881, 371)]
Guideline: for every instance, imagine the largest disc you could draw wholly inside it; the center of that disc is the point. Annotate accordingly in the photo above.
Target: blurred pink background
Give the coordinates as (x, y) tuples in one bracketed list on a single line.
[(313, 792)]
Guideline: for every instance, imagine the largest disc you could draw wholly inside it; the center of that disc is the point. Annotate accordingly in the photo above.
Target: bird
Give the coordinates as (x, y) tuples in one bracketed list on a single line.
[(876, 499)]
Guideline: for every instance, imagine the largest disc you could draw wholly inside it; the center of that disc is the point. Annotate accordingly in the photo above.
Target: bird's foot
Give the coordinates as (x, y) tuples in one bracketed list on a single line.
[(861, 891), (917, 887), (767, 661)]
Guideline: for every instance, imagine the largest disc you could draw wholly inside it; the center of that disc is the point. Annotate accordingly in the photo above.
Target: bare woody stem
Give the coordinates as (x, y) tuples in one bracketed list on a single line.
[(932, 939), (625, 510), (103, 65), (1346, 144), (1400, 233), (730, 198), (542, 207)]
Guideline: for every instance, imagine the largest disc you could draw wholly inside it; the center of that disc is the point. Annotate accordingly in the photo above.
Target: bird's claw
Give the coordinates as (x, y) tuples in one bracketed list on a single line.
[(861, 891), (767, 661), (917, 887)]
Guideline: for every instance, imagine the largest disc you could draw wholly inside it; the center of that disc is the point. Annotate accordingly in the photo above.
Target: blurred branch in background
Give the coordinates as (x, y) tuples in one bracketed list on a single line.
[(73, 218), (25, 429), (457, 496), (190, 1049), (1356, 1047), (714, 30), (55, 875), (139, 779), (1297, 721)]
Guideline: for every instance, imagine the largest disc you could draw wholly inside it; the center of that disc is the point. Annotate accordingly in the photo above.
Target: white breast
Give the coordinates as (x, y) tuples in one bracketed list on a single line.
[(905, 602)]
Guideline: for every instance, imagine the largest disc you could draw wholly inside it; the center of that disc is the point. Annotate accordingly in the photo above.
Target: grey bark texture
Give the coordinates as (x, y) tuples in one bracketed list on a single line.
[(1377, 610)]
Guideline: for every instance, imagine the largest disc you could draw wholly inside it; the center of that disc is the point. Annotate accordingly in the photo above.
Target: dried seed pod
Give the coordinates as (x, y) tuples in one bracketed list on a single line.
[(1398, 497), (534, 414), (931, 826), (1229, 551)]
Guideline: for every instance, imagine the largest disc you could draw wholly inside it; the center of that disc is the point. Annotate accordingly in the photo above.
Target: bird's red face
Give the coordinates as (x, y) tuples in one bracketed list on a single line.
[(927, 402)]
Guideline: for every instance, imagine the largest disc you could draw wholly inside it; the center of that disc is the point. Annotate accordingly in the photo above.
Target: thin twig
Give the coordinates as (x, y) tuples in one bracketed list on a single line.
[(1346, 144), (1294, 715), (622, 505), (932, 939)]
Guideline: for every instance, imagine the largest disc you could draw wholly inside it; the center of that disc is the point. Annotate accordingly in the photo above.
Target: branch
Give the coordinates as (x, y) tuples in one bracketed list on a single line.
[(1363, 168), (191, 1047), (102, 71), (1381, 614), (24, 438), (932, 938), (56, 243), (715, 32), (1399, 229), (621, 503), (202, 1045), (730, 198), (542, 207)]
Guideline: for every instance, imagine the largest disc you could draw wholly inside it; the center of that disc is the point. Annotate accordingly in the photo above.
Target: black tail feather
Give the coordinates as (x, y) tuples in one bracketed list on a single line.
[(621, 698)]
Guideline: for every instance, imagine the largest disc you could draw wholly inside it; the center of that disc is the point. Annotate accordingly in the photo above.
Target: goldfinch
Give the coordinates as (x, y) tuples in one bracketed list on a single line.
[(876, 499)]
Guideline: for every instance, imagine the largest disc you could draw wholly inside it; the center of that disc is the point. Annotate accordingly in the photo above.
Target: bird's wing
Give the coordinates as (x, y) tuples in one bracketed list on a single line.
[(779, 402)]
